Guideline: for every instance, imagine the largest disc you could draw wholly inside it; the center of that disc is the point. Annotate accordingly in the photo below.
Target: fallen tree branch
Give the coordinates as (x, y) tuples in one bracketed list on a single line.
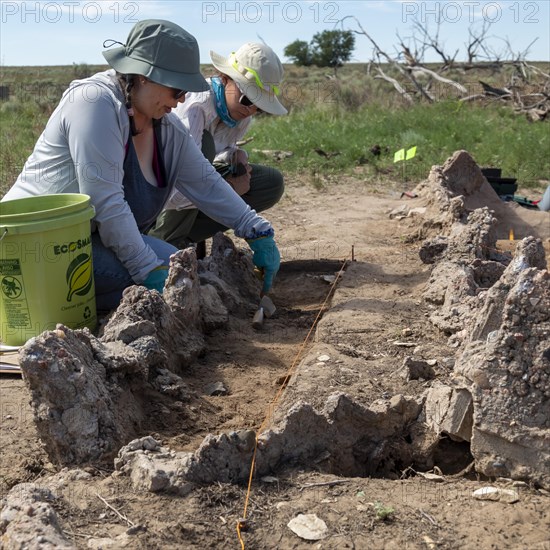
[(437, 76), (536, 70), (395, 84), (121, 516), (484, 96), (323, 484)]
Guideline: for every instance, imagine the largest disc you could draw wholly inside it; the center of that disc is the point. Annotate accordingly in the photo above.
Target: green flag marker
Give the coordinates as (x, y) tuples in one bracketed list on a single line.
[(410, 153), (399, 155)]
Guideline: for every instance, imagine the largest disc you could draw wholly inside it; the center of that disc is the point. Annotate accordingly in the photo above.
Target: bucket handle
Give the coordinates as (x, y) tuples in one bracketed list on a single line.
[(4, 234)]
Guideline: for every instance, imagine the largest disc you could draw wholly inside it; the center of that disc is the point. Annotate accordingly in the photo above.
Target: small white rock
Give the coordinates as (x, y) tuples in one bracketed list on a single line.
[(308, 527), (496, 493), (431, 477), (323, 358), (269, 479), (519, 484)]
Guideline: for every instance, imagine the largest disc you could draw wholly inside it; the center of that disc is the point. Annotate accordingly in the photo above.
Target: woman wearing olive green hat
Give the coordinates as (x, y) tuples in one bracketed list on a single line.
[(113, 137), (248, 82)]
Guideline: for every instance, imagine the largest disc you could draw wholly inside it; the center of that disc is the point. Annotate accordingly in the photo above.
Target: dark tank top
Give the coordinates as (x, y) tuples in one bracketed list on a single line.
[(145, 200)]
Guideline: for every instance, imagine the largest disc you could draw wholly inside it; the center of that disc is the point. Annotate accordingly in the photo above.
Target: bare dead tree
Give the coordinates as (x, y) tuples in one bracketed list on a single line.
[(476, 40), (432, 41), (382, 54), (412, 50), (528, 89)]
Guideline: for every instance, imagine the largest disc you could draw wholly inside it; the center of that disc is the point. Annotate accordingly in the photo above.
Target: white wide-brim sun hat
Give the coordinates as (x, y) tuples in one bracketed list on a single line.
[(258, 73)]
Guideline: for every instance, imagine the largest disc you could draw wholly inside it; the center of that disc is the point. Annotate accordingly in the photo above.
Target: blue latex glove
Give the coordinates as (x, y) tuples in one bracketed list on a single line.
[(156, 278), (266, 258)]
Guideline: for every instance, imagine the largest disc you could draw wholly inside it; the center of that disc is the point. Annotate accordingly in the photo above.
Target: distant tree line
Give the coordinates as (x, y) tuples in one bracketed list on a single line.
[(326, 49)]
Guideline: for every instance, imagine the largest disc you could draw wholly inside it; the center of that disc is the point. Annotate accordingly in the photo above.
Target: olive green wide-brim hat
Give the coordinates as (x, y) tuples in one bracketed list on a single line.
[(258, 73), (163, 52)]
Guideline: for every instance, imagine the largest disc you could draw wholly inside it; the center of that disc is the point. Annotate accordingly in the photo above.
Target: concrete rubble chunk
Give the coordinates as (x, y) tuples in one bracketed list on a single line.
[(28, 520), (449, 411), (507, 364), (529, 254), (461, 175), (216, 388), (433, 248), (74, 396), (413, 369), (221, 458), (462, 271), (230, 271), (173, 323), (213, 311)]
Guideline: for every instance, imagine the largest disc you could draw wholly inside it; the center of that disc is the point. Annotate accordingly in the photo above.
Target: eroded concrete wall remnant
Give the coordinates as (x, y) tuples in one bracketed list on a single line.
[(356, 440), (497, 310), (90, 394), (506, 366)]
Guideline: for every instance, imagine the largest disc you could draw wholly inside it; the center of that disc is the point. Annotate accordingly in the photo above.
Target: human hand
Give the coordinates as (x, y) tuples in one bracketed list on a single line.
[(156, 278), (240, 156), (241, 184), (266, 258), (240, 179)]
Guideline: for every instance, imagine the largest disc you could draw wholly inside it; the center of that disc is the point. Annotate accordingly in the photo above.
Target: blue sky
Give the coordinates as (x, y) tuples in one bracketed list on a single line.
[(66, 31)]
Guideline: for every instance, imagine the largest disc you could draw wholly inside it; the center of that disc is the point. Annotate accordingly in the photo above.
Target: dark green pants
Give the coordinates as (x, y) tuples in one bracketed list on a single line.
[(179, 227)]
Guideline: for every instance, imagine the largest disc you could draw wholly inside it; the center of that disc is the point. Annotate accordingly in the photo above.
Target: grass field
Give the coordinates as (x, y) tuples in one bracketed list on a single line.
[(343, 117)]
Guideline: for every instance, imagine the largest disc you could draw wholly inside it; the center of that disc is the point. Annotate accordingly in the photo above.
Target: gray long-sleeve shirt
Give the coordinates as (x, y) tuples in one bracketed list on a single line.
[(544, 203), (82, 150)]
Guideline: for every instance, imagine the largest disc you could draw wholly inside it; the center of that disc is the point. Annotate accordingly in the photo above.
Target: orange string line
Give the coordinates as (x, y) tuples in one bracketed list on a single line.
[(271, 408)]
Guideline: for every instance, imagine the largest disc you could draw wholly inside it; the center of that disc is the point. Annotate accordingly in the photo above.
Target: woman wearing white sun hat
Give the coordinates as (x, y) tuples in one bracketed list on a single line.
[(248, 82), (113, 136)]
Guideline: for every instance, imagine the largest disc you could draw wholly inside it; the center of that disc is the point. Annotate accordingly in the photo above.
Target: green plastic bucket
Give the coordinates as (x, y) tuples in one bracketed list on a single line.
[(46, 273)]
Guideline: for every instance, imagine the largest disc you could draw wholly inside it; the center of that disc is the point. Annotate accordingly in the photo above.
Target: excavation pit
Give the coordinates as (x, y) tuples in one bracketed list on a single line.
[(346, 411)]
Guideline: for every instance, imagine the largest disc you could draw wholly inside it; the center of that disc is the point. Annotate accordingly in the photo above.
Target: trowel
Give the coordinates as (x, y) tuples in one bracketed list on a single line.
[(266, 309)]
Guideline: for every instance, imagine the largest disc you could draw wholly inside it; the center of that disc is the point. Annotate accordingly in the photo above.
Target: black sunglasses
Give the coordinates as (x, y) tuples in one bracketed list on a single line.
[(178, 94), (245, 101)]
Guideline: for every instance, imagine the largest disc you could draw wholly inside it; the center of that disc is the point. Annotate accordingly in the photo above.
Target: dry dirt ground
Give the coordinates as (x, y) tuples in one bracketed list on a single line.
[(317, 230)]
